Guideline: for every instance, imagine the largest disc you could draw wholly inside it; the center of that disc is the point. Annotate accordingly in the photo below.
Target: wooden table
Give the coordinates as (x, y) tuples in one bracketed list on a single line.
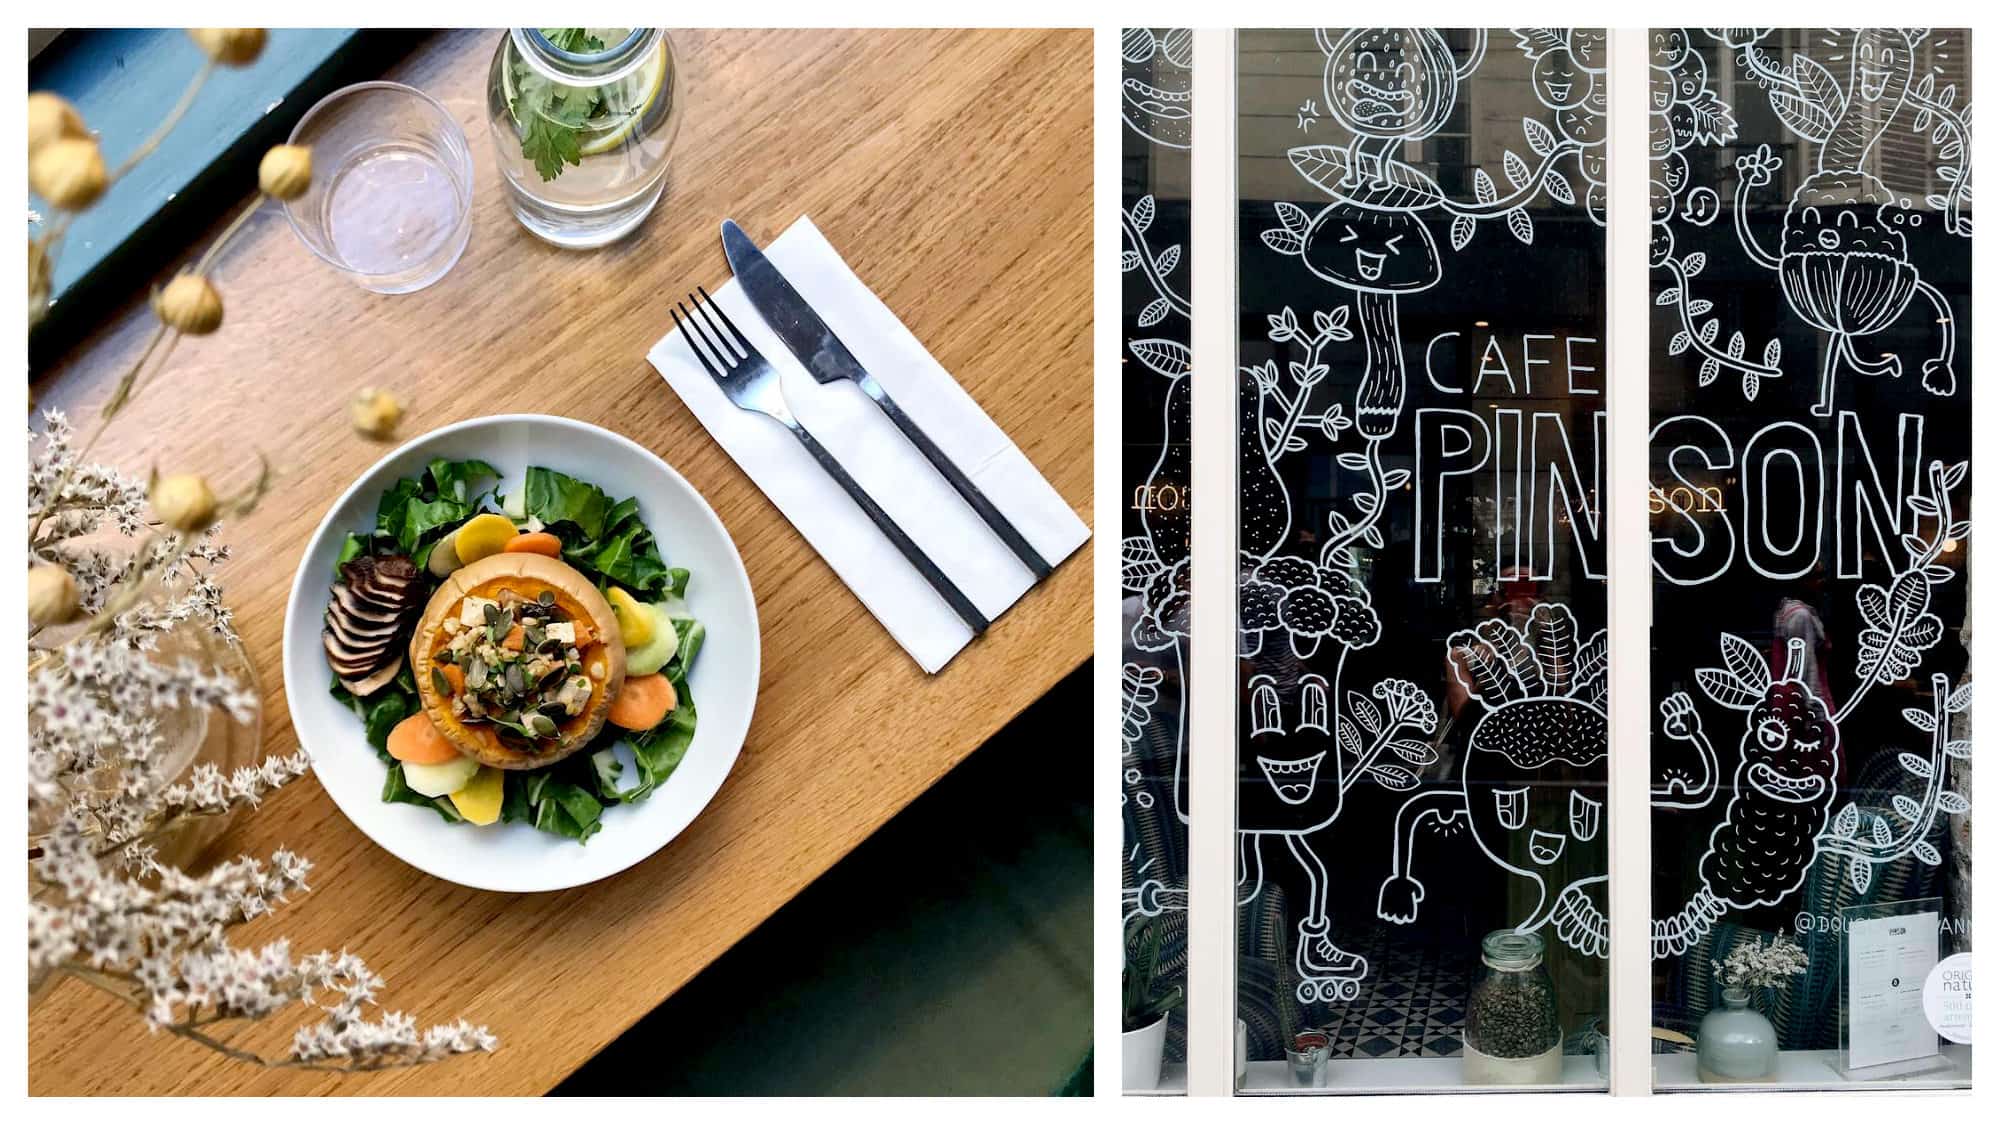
[(953, 171)]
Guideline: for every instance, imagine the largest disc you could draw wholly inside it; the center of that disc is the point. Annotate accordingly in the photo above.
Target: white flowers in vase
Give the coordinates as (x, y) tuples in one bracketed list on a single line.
[(1756, 964)]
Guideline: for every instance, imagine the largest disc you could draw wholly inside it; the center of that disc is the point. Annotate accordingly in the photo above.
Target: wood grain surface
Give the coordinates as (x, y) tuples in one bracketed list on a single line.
[(953, 171)]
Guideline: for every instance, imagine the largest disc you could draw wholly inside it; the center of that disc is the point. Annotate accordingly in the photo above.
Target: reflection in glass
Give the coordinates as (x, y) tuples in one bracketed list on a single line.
[(1422, 749), (1811, 266), (1154, 555)]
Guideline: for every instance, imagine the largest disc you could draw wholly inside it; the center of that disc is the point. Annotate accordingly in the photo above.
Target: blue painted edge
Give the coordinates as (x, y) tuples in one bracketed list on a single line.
[(124, 81)]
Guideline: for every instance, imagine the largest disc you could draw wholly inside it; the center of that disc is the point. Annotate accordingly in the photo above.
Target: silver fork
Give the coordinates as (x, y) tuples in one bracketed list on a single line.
[(752, 384)]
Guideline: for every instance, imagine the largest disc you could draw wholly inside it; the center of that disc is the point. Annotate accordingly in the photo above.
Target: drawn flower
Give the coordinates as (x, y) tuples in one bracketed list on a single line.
[(1406, 703)]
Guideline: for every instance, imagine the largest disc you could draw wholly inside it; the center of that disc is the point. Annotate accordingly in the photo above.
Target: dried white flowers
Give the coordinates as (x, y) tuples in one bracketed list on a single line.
[(1755, 964), (106, 910), (107, 791)]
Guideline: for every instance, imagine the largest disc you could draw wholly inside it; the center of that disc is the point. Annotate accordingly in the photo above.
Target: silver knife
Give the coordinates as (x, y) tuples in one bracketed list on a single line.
[(822, 353)]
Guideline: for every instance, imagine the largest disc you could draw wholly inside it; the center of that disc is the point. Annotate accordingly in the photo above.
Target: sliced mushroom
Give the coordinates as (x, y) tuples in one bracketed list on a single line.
[(360, 634), (356, 607), (368, 613), (375, 681), (350, 662)]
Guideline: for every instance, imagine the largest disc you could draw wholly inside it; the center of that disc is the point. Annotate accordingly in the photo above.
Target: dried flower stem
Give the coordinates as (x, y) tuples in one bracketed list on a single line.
[(168, 122), (128, 384), (228, 232)]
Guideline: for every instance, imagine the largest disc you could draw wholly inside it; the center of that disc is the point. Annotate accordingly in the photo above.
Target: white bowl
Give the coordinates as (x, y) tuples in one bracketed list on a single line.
[(518, 857)]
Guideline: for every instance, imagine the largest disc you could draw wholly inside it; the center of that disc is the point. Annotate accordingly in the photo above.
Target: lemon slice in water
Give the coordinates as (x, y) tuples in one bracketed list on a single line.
[(639, 91), (645, 86)]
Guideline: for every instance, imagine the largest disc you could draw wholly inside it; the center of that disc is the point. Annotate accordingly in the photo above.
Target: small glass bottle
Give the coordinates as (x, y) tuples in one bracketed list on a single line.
[(1512, 1036), (583, 120)]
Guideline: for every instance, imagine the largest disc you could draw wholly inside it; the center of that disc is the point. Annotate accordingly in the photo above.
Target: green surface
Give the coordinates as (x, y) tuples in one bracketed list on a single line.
[(948, 954)]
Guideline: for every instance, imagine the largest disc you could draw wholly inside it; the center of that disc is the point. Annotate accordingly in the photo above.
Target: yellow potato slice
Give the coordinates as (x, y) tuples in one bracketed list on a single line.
[(479, 800), (635, 623), (481, 536)]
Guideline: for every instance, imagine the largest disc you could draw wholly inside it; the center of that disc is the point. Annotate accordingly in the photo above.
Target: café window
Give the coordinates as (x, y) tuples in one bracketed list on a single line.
[(1425, 241), (1155, 267)]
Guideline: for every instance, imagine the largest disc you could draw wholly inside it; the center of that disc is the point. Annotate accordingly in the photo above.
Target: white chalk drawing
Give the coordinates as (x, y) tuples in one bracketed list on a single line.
[(1135, 222), (1783, 469), (1529, 792), (1159, 109), (1779, 819), (1156, 98), (1311, 745), (1843, 257), (1150, 897), (1531, 766), (1140, 689), (1305, 607)]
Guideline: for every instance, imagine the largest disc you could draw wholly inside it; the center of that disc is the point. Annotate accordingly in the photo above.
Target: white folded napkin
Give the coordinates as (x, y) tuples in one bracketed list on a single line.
[(877, 455)]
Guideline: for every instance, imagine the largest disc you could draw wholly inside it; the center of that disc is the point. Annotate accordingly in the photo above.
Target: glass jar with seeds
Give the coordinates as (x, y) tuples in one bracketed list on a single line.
[(1512, 1034)]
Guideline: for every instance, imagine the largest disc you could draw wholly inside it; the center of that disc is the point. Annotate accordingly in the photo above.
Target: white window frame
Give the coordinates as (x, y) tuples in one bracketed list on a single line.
[(1212, 717)]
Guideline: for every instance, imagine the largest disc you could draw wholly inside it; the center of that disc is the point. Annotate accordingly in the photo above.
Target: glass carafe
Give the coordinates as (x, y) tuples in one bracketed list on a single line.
[(1512, 1036), (583, 120)]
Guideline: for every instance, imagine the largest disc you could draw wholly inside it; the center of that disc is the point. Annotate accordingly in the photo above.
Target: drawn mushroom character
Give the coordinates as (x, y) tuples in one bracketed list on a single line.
[(1373, 244)]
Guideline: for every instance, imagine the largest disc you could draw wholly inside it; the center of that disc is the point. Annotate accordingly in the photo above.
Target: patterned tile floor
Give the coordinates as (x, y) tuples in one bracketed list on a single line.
[(1412, 1004)]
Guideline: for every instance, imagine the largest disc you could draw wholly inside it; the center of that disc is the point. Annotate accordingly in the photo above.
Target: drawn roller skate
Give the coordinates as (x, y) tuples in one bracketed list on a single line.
[(1326, 971)]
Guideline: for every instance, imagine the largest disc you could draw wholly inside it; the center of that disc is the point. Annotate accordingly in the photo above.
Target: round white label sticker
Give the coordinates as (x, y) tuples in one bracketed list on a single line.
[(1948, 998)]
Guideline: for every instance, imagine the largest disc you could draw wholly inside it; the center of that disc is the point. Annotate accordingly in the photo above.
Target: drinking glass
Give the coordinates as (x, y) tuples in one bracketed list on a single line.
[(391, 198)]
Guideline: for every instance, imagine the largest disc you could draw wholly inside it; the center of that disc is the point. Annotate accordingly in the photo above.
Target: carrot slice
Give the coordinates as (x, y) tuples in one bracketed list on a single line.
[(643, 702), (536, 543), (416, 739), (516, 637)]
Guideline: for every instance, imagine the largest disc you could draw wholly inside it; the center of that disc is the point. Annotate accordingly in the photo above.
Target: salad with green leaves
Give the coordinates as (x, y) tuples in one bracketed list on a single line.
[(425, 527)]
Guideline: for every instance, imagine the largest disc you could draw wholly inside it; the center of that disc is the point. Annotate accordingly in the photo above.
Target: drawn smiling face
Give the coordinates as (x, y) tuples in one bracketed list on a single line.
[(1785, 788), (1843, 261), (1293, 787), (1388, 82), (1373, 250), (1788, 746), (1880, 64), (1559, 82)]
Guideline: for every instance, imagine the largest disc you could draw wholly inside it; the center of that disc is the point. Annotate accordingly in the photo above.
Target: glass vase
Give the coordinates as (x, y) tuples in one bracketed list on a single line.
[(190, 736), (1735, 1043), (583, 120)]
